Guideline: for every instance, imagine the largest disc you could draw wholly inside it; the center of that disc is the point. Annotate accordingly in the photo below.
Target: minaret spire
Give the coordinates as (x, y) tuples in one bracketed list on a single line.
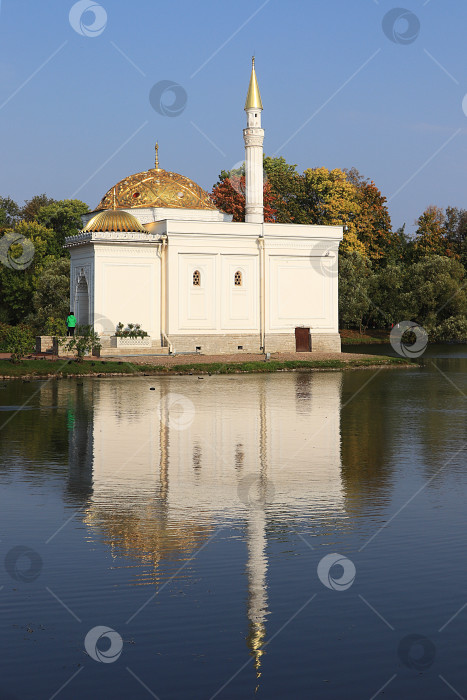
[(253, 136), (253, 98)]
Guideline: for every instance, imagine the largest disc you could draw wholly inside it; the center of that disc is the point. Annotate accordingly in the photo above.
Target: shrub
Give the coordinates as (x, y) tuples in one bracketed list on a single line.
[(55, 326), (18, 340), (84, 341), (453, 329)]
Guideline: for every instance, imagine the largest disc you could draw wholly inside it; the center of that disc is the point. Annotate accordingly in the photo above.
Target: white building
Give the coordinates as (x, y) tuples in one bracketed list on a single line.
[(157, 251)]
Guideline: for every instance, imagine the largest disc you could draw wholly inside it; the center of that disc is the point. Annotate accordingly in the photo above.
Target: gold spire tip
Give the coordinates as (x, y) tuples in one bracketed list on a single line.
[(156, 165), (253, 98)]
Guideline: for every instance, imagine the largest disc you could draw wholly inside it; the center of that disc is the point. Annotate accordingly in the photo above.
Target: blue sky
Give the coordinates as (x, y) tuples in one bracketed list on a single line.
[(75, 114)]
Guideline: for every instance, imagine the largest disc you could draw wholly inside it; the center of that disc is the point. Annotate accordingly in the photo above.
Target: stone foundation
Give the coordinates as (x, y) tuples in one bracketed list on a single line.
[(280, 342), (228, 344), (325, 342), (216, 344)]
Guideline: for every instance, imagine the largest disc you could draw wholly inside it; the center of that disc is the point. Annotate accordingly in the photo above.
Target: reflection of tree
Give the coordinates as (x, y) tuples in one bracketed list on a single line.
[(367, 432), (436, 414), (398, 416), (35, 437), (80, 443)]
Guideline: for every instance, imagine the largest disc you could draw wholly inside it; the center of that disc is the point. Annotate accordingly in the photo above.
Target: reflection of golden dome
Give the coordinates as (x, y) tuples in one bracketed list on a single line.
[(145, 534), (157, 188), (114, 220)]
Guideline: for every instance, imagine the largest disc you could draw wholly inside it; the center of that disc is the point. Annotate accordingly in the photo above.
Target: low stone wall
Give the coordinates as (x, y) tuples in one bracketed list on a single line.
[(44, 343)]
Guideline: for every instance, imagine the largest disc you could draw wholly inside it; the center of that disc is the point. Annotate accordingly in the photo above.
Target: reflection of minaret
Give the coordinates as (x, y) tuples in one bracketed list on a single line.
[(257, 564), (164, 450)]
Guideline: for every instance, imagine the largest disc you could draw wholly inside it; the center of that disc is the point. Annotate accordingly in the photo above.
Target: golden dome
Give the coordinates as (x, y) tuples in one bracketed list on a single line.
[(156, 188), (114, 220)]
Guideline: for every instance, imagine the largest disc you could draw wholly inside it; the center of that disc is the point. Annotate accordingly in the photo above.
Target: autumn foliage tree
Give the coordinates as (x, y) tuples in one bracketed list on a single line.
[(430, 234), (229, 196)]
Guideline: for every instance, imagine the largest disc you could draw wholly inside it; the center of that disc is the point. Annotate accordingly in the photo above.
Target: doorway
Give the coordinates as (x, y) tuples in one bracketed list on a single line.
[(82, 302), (302, 339)]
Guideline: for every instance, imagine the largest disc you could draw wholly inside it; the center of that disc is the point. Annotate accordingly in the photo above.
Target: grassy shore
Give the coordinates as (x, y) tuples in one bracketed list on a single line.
[(68, 368), (370, 337)]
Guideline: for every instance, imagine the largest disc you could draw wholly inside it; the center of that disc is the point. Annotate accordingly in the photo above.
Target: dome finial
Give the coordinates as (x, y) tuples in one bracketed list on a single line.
[(156, 165)]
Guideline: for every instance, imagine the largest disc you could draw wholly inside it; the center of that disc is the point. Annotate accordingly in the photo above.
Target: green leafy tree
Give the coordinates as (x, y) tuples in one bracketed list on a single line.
[(354, 286), (9, 212), (52, 293), (17, 286), (435, 290), (430, 234), (455, 225), (287, 188), (388, 301), (64, 218), (32, 206)]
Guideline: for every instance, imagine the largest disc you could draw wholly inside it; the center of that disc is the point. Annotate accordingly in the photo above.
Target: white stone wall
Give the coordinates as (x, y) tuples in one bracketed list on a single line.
[(289, 271), (127, 287)]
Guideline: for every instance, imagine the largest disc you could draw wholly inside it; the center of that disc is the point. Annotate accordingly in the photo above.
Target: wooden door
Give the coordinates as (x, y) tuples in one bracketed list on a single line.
[(302, 340)]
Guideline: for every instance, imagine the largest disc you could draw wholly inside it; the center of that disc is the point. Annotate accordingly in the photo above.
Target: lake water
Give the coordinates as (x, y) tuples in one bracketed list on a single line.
[(294, 535)]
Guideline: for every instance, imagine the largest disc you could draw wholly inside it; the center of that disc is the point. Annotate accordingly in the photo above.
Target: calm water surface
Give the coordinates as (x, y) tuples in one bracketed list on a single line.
[(196, 520)]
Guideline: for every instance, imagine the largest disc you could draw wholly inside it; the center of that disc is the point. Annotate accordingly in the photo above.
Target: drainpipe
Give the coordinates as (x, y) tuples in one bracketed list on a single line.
[(262, 289), (164, 287)]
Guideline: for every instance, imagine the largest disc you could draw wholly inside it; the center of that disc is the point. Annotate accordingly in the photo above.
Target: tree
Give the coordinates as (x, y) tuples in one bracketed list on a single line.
[(430, 234), (436, 289), (63, 217), (287, 188), (52, 292), (17, 285), (9, 212), (373, 224), (387, 290), (455, 225), (32, 206), (330, 199), (229, 196), (354, 283)]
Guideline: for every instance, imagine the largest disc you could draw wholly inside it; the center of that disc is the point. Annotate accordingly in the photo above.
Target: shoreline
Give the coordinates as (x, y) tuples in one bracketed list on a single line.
[(188, 365)]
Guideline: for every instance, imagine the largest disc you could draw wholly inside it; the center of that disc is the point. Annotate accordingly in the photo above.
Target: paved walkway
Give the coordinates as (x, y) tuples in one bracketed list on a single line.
[(169, 360)]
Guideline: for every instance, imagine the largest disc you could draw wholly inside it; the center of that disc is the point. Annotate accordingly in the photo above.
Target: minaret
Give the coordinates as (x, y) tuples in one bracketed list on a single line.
[(253, 136)]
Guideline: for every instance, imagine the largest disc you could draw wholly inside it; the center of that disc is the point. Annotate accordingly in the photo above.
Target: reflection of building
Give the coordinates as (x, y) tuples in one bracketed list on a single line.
[(169, 466), (156, 251)]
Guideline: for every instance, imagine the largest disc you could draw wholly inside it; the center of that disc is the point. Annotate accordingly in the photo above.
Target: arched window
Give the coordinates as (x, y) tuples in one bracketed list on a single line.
[(196, 278), (238, 279)]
